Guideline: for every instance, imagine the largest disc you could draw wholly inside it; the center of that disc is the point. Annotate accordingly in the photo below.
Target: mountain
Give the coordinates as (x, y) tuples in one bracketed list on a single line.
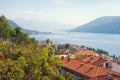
[(45, 26), (106, 24), (14, 25)]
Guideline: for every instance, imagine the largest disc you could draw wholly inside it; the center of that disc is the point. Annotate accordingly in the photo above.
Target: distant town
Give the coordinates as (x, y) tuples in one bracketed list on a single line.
[(85, 63)]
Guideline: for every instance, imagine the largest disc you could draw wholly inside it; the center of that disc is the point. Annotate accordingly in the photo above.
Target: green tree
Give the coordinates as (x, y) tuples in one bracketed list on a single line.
[(21, 58), (69, 76), (48, 41), (67, 45), (5, 28)]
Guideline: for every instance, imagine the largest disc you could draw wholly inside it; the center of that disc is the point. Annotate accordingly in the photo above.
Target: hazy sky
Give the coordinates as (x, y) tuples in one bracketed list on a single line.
[(75, 12)]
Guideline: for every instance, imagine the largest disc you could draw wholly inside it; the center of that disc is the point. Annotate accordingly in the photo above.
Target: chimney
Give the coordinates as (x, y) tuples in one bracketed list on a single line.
[(91, 58), (90, 68), (81, 65), (68, 59)]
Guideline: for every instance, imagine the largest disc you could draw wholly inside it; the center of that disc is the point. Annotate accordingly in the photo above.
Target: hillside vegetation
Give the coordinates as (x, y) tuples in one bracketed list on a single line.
[(21, 58)]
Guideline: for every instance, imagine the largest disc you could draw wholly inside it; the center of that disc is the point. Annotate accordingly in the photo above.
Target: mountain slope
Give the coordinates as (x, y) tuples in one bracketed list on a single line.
[(14, 25), (107, 24), (45, 26)]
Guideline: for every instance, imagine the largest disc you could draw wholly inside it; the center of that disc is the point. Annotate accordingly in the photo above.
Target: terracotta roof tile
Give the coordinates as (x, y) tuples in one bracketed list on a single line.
[(99, 62), (87, 52), (74, 51), (63, 50), (86, 69), (93, 60)]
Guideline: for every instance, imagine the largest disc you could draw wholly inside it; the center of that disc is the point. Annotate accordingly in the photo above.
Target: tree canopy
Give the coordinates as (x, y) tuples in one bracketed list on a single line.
[(21, 58)]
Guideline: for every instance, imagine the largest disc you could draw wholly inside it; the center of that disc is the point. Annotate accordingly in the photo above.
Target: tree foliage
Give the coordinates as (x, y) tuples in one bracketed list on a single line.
[(5, 28), (21, 58)]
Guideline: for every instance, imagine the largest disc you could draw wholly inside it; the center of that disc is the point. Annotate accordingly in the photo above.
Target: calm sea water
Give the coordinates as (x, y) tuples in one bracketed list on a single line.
[(108, 42)]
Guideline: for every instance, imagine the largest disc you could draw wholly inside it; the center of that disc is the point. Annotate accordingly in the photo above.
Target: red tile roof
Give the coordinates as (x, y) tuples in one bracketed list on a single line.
[(63, 50), (74, 51), (92, 59), (97, 61), (84, 52), (86, 69), (87, 52)]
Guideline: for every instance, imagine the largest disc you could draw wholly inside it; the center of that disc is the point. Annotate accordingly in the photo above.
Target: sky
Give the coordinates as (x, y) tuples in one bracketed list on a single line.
[(73, 12)]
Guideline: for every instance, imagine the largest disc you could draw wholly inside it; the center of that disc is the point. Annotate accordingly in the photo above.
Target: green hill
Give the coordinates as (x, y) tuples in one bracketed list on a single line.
[(14, 25)]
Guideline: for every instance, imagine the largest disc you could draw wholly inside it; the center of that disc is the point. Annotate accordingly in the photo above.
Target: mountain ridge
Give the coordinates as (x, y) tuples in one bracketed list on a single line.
[(44, 26), (105, 24), (14, 25)]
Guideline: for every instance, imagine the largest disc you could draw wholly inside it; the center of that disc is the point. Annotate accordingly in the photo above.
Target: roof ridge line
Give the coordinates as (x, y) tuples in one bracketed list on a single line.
[(97, 71)]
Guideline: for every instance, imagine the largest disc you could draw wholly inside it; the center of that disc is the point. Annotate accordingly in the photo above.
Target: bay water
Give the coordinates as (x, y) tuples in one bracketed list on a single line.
[(107, 42)]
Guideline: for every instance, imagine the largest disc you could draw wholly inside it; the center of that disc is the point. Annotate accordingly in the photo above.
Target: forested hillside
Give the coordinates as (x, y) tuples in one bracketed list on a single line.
[(14, 25), (21, 58)]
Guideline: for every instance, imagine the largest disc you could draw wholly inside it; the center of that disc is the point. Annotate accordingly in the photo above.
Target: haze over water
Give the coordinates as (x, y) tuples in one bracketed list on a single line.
[(108, 42)]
